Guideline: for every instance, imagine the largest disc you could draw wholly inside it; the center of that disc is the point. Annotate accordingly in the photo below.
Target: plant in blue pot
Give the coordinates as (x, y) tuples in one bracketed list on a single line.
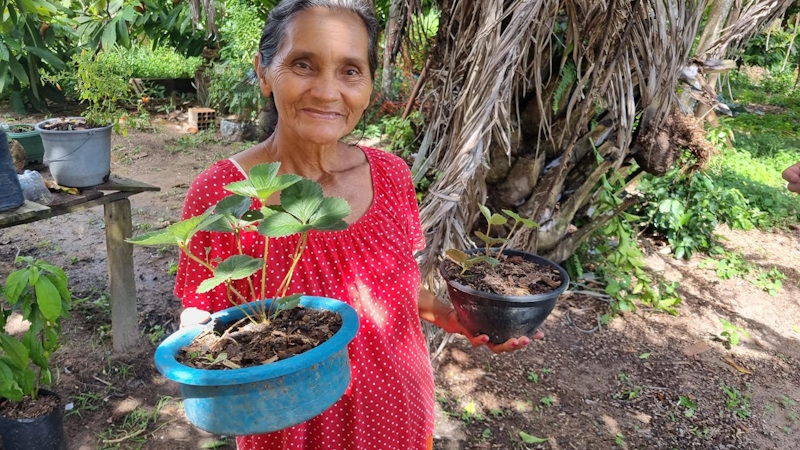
[(500, 292), (263, 364)]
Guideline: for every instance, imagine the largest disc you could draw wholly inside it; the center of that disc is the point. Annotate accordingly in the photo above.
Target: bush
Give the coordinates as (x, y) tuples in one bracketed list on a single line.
[(158, 62), (686, 207)]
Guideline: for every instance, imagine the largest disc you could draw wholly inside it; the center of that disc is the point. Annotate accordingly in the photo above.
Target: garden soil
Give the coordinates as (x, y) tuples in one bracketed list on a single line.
[(646, 380)]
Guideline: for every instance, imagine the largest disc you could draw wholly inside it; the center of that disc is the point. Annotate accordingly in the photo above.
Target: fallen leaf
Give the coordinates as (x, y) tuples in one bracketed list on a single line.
[(57, 187), (696, 349), (736, 366), (528, 439), (644, 356)]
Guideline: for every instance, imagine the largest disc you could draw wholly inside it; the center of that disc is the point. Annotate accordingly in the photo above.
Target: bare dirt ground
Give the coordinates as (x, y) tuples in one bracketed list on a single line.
[(644, 381)]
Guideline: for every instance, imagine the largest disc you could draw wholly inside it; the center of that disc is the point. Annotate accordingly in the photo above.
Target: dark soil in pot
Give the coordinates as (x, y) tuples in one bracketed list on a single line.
[(68, 125), (20, 128), (29, 409), (513, 276), (245, 344), (29, 424)]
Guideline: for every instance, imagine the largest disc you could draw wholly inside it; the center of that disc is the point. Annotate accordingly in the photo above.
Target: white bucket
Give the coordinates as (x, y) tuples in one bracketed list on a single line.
[(77, 158)]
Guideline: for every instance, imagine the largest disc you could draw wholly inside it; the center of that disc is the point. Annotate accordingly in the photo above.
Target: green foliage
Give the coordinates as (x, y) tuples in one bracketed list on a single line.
[(302, 208), (768, 48), (229, 89), (29, 47), (402, 134), (40, 293), (764, 147), (568, 75), (731, 264), (466, 261), (736, 401), (686, 207), (619, 261), (731, 333), (158, 62), (101, 84)]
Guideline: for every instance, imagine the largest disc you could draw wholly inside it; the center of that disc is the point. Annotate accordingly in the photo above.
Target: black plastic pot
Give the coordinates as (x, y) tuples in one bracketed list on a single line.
[(502, 317), (10, 191), (41, 433)]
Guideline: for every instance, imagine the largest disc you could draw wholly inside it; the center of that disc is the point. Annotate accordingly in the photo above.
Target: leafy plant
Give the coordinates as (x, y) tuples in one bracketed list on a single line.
[(155, 62), (40, 293), (736, 401), (466, 262), (731, 333), (302, 208), (689, 406), (101, 84)]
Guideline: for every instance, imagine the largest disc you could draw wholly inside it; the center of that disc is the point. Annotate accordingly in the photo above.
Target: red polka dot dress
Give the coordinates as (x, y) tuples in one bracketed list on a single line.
[(370, 265)]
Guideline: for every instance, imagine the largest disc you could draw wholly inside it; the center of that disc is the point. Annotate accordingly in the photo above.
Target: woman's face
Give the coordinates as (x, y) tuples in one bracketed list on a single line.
[(319, 78)]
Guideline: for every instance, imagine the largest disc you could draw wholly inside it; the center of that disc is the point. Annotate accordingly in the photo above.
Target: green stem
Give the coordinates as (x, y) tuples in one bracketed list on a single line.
[(284, 286), (264, 278), (508, 239), (250, 315), (210, 268)]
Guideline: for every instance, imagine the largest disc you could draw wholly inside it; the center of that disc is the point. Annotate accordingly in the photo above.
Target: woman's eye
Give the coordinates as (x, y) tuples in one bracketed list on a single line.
[(351, 72), (302, 65)]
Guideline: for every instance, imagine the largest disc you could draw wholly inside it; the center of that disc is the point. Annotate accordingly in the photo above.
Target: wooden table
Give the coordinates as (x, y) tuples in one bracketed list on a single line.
[(113, 195)]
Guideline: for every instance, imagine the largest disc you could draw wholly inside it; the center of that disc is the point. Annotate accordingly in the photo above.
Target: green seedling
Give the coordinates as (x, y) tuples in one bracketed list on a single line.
[(466, 262), (533, 376), (39, 292), (731, 334), (547, 400), (302, 208), (688, 405), (736, 401)]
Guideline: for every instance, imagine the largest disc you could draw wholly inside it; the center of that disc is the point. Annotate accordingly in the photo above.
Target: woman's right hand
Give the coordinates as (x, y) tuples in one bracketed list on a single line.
[(193, 316)]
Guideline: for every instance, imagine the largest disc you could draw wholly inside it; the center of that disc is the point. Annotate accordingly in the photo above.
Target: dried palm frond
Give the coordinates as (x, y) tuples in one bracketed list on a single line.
[(198, 7), (754, 15)]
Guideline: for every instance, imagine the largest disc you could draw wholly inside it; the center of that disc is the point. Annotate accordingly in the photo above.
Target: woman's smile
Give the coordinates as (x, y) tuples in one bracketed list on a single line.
[(322, 114)]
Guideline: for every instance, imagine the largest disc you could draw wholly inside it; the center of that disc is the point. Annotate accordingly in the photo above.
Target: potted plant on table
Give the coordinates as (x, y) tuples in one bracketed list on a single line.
[(78, 149), (30, 416), (224, 391), (29, 139), (500, 292)]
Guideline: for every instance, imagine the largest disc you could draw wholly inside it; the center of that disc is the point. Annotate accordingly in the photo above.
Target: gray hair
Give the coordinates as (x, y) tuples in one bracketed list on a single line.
[(282, 14)]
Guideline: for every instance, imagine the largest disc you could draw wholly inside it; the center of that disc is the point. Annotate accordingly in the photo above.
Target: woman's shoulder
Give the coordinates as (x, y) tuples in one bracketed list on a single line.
[(217, 175), (387, 164)]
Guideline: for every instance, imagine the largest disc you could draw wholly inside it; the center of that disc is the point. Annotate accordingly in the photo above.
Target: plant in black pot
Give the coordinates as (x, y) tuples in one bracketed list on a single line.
[(30, 416), (78, 149), (500, 292)]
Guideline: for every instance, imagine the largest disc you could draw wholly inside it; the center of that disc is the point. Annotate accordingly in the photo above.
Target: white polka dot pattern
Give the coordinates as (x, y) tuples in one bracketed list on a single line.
[(389, 403)]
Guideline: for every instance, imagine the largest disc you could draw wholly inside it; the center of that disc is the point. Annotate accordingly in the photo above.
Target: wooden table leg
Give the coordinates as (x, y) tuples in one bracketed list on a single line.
[(122, 284)]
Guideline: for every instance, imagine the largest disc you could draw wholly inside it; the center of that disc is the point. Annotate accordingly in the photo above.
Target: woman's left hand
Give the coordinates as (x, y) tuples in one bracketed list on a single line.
[(453, 325)]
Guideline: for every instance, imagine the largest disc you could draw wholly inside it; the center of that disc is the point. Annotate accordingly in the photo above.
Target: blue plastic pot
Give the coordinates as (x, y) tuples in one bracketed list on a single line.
[(266, 398)]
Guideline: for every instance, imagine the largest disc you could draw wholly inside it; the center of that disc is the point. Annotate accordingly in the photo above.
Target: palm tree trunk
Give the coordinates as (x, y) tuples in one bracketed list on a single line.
[(392, 38)]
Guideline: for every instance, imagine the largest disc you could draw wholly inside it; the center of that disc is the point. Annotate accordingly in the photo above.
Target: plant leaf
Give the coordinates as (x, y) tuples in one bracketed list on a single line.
[(16, 352), (330, 214), (490, 240), (302, 199), (512, 214), (233, 206), (160, 237), (486, 213), (529, 439), (497, 219), (281, 224), (48, 298), (457, 256), (288, 302), (16, 283)]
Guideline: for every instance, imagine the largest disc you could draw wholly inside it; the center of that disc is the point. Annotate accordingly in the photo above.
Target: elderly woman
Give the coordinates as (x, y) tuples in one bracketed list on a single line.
[(317, 59)]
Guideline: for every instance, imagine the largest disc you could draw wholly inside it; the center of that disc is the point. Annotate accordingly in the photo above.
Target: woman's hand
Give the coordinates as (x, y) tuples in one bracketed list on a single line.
[(193, 316), (792, 176), (444, 316), (453, 325)]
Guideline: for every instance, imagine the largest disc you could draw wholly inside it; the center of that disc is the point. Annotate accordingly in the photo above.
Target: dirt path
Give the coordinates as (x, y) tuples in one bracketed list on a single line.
[(619, 386)]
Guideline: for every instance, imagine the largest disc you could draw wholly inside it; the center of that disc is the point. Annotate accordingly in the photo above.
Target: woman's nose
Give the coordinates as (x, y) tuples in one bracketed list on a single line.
[(326, 87)]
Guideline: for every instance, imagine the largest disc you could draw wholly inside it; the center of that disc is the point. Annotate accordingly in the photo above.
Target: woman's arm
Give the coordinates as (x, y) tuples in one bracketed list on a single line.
[(432, 310)]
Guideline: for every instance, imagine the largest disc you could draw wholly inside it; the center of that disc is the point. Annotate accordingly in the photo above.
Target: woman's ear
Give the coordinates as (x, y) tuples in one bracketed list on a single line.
[(261, 77)]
